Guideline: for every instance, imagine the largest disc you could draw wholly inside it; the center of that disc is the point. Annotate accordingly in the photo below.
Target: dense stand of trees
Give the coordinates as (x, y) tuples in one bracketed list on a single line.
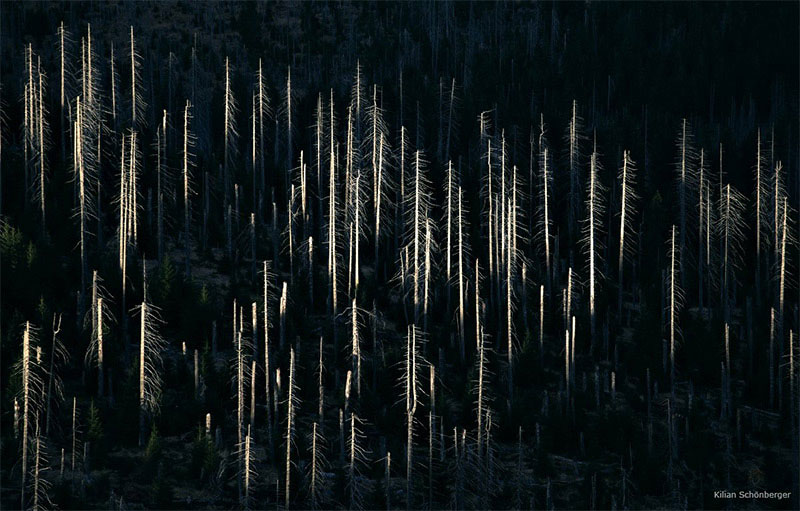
[(545, 254)]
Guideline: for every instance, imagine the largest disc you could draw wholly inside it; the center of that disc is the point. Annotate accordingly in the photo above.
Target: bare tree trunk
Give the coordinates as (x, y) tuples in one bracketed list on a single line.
[(289, 427)]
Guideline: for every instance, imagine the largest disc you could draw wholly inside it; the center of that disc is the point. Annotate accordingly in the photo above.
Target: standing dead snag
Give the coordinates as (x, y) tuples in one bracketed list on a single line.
[(333, 273), (509, 266), (41, 484), (410, 382), (771, 355), (595, 206), (84, 169), (355, 351), (356, 458), (36, 132), (318, 466), (726, 390), (543, 231), (267, 367), (151, 345), (387, 478), (428, 273), (785, 240), (263, 111), (128, 209), (448, 225), (54, 384), (247, 453), (29, 370), (74, 435), (288, 112), (674, 304), (188, 144), (282, 314), (231, 135), (574, 137), (65, 72), (101, 316), (378, 150), (628, 199), (702, 184), (161, 149), (686, 173), (137, 97), (252, 391), (420, 205), (491, 223), (761, 192), (357, 218), (253, 149), (242, 375), (483, 414), (463, 256), (431, 430), (730, 230), (99, 337), (292, 402)]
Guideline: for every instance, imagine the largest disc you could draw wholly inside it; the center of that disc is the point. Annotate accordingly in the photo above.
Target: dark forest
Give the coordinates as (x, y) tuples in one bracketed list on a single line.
[(399, 255)]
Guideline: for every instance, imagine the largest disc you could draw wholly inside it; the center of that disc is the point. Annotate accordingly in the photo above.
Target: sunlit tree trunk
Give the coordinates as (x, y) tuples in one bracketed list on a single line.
[(290, 426)]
